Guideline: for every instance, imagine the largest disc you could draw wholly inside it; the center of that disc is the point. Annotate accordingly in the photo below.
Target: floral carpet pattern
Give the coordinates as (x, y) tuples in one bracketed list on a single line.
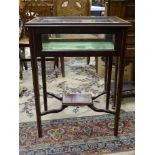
[(84, 135), (75, 130), (79, 78)]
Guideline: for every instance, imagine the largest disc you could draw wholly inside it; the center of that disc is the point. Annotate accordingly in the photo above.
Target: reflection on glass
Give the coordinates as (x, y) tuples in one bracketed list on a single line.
[(83, 20), (77, 42)]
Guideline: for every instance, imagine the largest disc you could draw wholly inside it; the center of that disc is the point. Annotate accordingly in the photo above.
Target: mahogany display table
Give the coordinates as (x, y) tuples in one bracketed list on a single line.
[(43, 46)]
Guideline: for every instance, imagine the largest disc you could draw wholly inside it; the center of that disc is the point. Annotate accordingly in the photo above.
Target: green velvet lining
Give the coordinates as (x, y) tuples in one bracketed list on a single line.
[(77, 45)]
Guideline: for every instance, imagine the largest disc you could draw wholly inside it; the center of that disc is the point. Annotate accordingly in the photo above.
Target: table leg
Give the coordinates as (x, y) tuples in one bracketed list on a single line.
[(88, 60), (20, 65), (56, 65), (109, 81), (35, 81), (115, 84), (96, 64), (43, 70), (62, 66), (105, 73), (120, 83)]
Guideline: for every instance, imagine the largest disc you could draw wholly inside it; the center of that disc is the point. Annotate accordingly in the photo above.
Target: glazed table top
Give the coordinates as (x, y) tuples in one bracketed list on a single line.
[(82, 20)]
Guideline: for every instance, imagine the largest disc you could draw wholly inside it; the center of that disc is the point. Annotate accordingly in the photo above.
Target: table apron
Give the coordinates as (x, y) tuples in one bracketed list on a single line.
[(77, 53)]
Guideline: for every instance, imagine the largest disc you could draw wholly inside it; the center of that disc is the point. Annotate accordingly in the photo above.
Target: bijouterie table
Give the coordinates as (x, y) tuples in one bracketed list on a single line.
[(43, 46)]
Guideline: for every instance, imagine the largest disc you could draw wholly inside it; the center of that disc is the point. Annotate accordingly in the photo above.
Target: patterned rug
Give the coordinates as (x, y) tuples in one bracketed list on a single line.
[(84, 135), (79, 78), (75, 130)]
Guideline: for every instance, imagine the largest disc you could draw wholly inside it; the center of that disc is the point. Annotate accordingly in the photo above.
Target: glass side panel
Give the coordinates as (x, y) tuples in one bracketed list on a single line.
[(71, 42)]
